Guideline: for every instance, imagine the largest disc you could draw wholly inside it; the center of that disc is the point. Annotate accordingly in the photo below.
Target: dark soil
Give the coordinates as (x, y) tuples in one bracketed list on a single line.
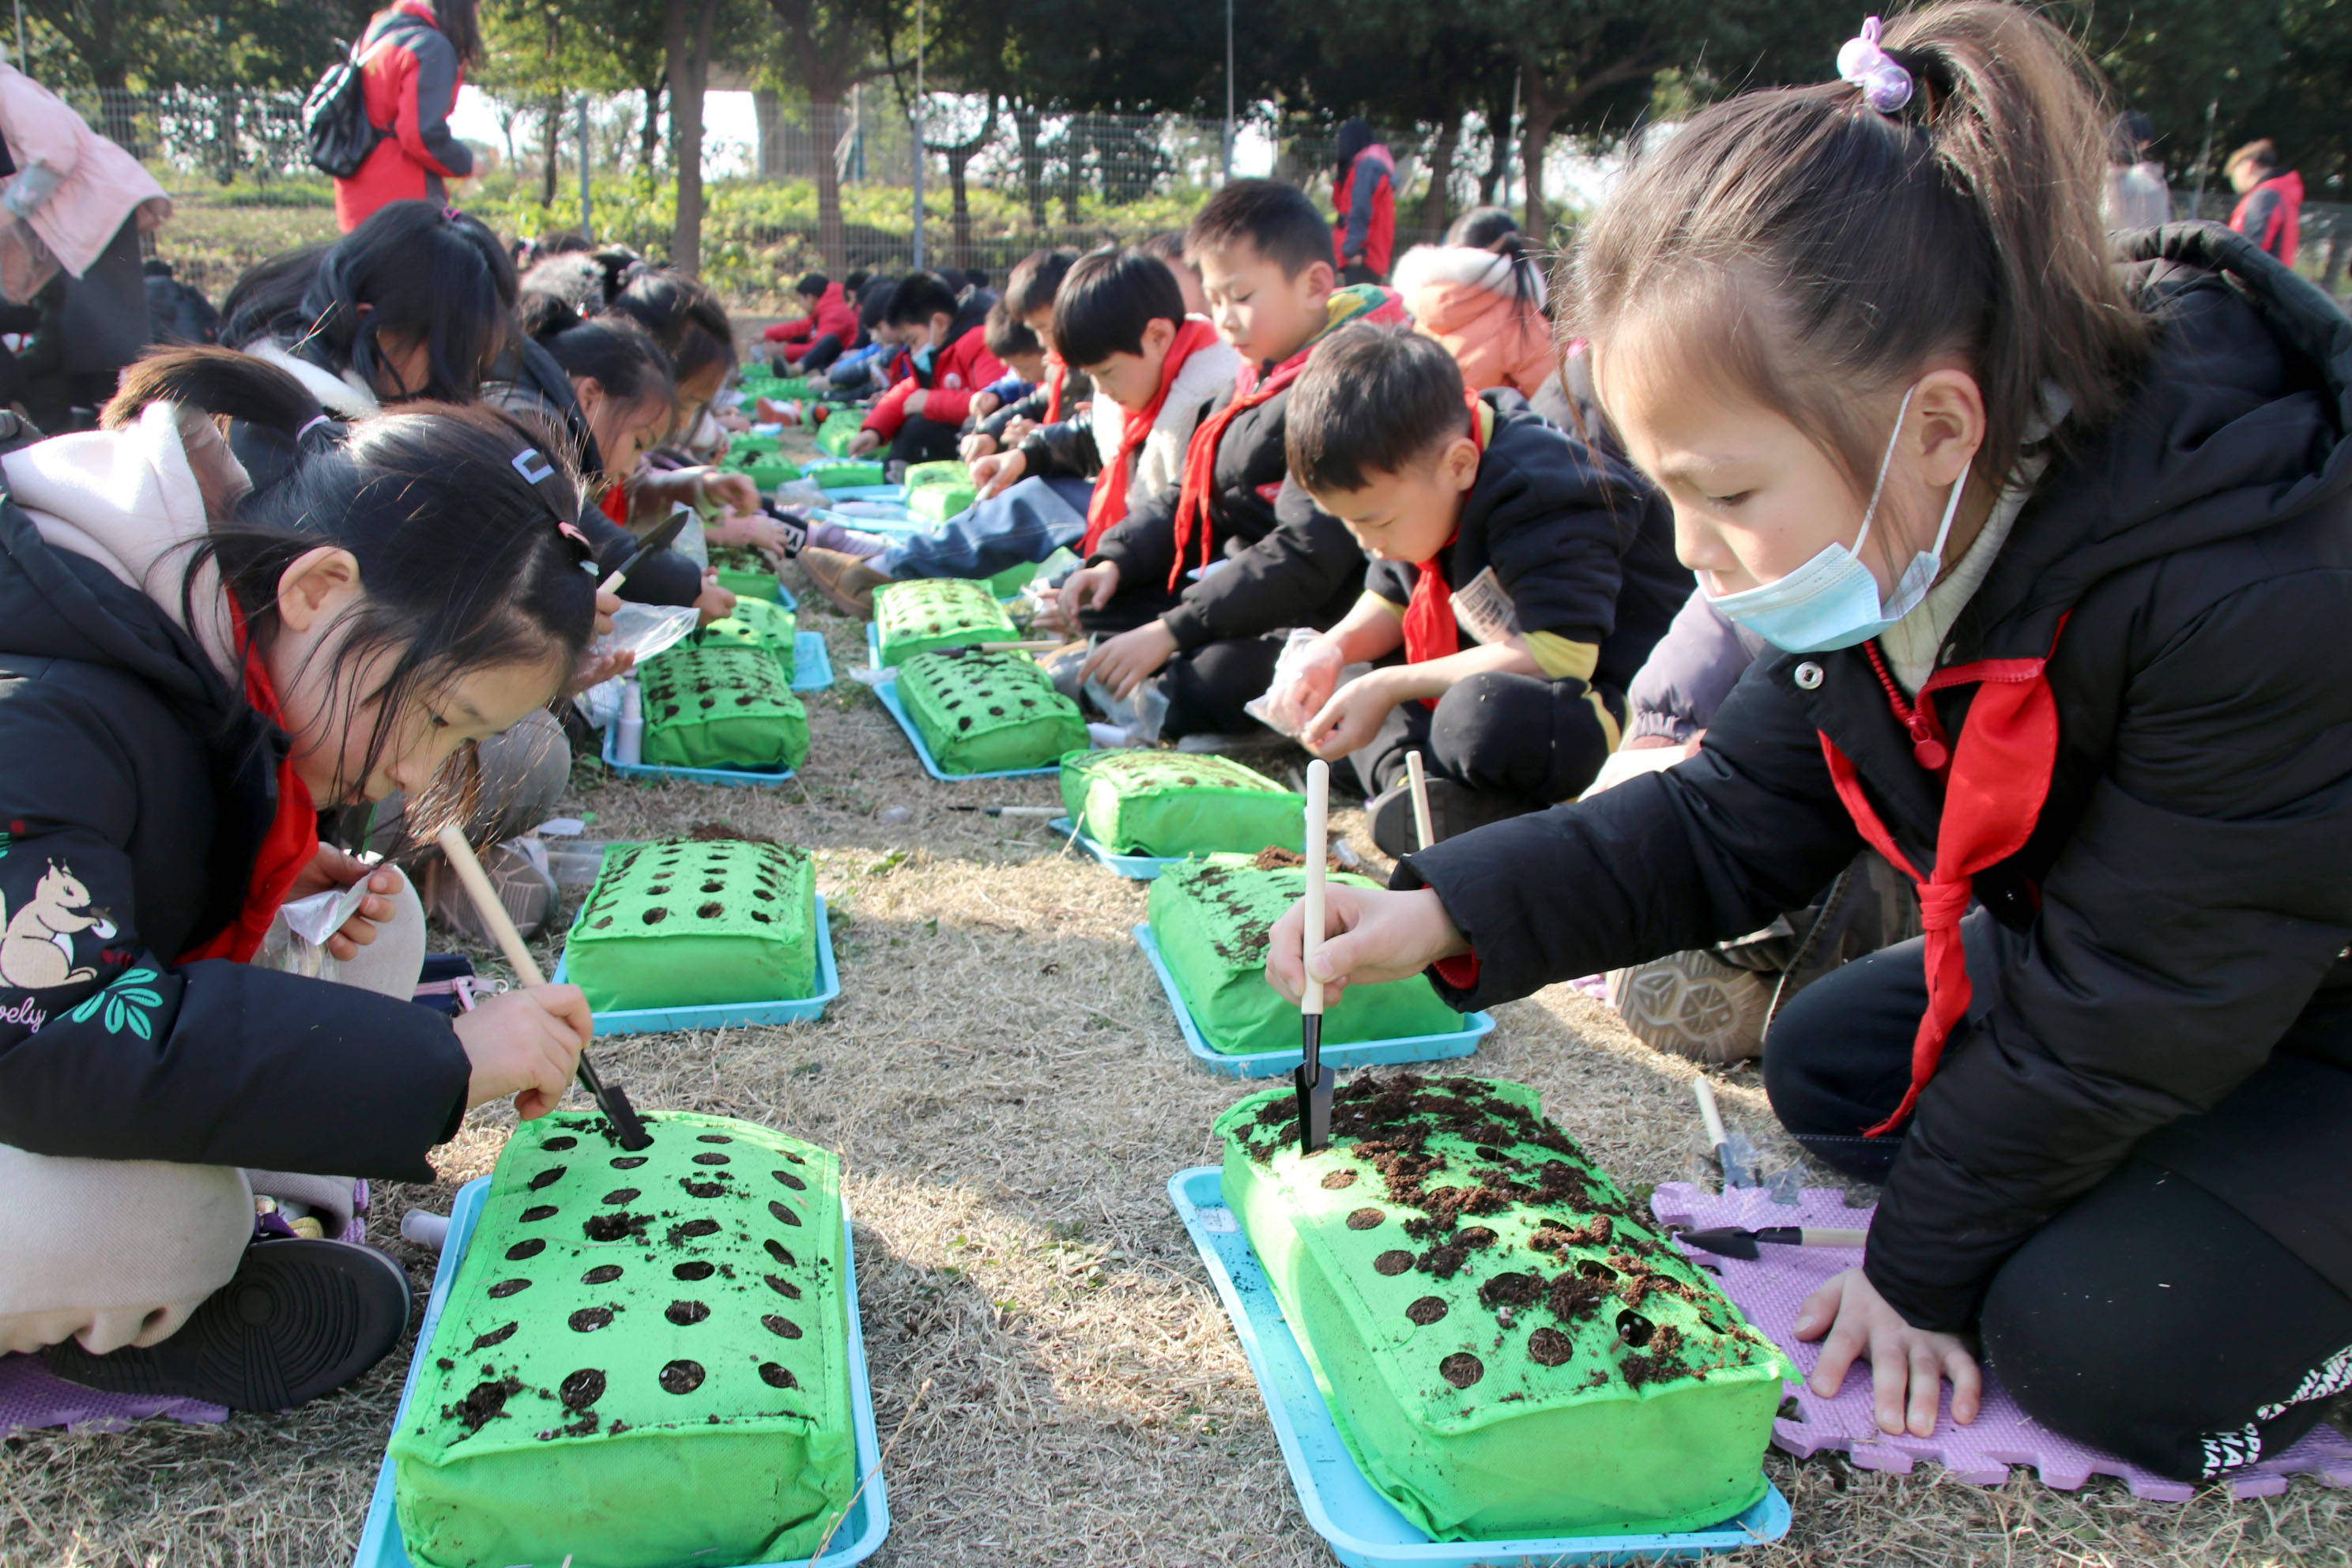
[(1338, 1180), (783, 1214), (696, 1270), (1427, 1310), (682, 1376), (484, 1403), (603, 1274), (621, 1226), (547, 1178), (691, 1228), (505, 1287), (1462, 1369), (1550, 1347), (781, 1326), (1392, 1263), (623, 1195), (588, 1320), (1366, 1219), (522, 1249), (495, 1337), (685, 1314), (776, 1376), (581, 1389), (794, 1183), (783, 1287), (536, 1213)]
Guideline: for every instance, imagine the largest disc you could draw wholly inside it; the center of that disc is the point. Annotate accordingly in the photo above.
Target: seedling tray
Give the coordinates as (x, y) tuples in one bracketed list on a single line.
[(1278, 1064), (730, 1014), (861, 1533), (739, 777), (1363, 1528), (812, 661), (888, 691), (1134, 867)]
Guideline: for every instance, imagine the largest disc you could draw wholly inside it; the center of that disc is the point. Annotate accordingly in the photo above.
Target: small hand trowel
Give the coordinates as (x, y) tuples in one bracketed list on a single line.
[(662, 536), (1732, 1242), (1313, 1078)]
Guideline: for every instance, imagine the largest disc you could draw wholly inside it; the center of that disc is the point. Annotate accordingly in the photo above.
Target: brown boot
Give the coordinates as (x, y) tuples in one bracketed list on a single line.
[(843, 579)]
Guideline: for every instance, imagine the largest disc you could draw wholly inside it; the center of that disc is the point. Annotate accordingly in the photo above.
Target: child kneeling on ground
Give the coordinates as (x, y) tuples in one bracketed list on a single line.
[(189, 672), (1523, 575), (2054, 549)]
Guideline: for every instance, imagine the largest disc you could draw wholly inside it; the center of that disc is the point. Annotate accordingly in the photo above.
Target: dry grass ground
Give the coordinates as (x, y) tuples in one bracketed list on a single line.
[(1009, 1095)]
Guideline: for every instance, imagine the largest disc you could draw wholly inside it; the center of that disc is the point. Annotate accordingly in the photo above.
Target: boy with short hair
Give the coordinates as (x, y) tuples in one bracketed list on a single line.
[(1120, 318), (947, 351), (1016, 347), (1029, 290), (1522, 577), (1198, 582), (814, 341)]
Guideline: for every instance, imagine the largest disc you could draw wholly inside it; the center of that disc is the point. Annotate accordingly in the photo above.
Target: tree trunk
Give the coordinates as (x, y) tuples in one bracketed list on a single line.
[(768, 117), (959, 161), (1541, 110), (688, 61), (832, 240), (1074, 170), (1498, 150), (552, 146), (1027, 123), (649, 138), (1435, 203)]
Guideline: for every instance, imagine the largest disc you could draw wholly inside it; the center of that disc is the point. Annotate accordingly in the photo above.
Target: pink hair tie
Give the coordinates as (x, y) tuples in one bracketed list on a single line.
[(451, 215), (1885, 86)]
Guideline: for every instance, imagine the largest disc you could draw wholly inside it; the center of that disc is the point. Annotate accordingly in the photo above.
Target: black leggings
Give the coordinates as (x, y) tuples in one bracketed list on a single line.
[(822, 351), (1519, 736), (2151, 1319), (922, 440)]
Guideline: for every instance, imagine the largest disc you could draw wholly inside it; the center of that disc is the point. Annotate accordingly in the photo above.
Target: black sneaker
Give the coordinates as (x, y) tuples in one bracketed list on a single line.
[(1453, 809), (300, 1319)]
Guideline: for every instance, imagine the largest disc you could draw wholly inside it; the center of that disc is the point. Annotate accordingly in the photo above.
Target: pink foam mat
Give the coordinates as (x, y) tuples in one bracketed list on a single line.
[(30, 1397), (1769, 1291)]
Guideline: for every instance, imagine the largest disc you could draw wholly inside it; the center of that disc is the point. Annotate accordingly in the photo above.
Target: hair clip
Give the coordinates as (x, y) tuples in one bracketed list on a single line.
[(1885, 85)]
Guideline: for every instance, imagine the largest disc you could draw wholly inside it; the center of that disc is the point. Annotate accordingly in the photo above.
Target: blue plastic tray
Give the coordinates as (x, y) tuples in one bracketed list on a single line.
[(1475, 1026), (1135, 868), (1363, 1528), (812, 661), (888, 691), (860, 1535), (728, 1014), (739, 777)]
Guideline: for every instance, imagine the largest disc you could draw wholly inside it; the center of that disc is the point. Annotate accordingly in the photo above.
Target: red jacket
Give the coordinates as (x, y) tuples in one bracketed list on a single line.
[(410, 76), (834, 315), (2271, 215), (960, 370), (1366, 202)]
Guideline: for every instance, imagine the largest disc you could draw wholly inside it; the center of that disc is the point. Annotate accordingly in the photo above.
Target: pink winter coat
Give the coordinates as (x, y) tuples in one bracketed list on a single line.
[(100, 185), (1463, 297)]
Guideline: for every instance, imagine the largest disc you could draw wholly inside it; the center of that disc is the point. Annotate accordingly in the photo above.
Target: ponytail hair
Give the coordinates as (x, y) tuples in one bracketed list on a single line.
[(1808, 249), (611, 350), (425, 273), (1494, 229), (456, 513)]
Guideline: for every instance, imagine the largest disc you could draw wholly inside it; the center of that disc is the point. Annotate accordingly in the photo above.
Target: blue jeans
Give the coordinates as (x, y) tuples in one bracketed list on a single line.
[(1025, 524)]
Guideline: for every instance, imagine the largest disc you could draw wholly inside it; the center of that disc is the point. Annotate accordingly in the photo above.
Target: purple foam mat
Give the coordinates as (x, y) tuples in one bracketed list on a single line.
[(1770, 1289), (30, 1397)]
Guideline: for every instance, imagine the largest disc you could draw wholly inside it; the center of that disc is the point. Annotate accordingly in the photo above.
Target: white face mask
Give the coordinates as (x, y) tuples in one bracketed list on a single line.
[(1832, 601)]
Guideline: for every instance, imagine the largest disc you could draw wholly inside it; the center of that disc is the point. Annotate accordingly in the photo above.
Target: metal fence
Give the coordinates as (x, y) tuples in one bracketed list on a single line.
[(795, 187)]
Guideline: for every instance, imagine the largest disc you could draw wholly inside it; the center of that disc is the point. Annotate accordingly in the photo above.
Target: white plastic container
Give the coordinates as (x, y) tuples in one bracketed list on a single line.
[(629, 745)]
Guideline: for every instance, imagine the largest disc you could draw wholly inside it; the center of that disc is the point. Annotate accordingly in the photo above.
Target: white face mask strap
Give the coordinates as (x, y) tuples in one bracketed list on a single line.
[(1886, 460)]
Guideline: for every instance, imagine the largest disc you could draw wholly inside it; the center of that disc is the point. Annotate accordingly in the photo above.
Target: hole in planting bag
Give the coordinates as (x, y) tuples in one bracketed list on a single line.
[(1512, 1290), (1594, 1269), (1476, 1236), (1338, 1180), (556, 1145), (522, 1249), (775, 1376), (505, 1287), (603, 1274), (1462, 1369), (782, 1254), (495, 1337), (702, 1189), (581, 1389), (783, 1214), (783, 1287), (537, 1212), (546, 1178), (588, 1320), (777, 1324), (1392, 1263), (685, 1314), (710, 1159), (692, 1228), (654, 916), (697, 1270), (1365, 1219), (1634, 1329), (681, 1376), (615, 1227), (628, 1161), (789, 1180), (621, 1195), (1550, 1347)]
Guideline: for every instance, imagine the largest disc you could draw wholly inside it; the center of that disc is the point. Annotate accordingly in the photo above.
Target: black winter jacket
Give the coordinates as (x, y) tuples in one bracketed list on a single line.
[(2179, 917), (137, 788), (1285, 561), (1581, 544)]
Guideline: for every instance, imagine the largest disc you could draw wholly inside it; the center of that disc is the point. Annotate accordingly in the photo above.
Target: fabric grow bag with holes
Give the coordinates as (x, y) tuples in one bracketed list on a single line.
[(1461, 1295), (843, 474), (937, 491), (1210, 918), (742, 445), (685, 924), (1171, 804), (987, 712), (931, 613), (834, 436), (644, 1359), (759, 623), (715, 706), (742, 571)]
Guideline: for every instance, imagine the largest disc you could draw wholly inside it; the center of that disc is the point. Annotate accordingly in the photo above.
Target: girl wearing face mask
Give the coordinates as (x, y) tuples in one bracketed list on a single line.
[(2055, 549)]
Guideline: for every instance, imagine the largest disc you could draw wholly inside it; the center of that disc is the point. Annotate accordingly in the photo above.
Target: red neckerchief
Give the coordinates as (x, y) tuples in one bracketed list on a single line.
[(291, 843), (1430, 628), (1996, 778), (1109, 503), (1056, 373)]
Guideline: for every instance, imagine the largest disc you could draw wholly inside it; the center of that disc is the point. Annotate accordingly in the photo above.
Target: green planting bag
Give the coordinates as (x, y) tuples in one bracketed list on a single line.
[(715, 706), (696, 923), (987, 712), (928, 612), (937, 491), (1507, 1345), (834, 436), (767, 473), (1173, 804), (644, 1361), (1210, 919), (743, 571), (761, 624), (742, 446), (843, 474)]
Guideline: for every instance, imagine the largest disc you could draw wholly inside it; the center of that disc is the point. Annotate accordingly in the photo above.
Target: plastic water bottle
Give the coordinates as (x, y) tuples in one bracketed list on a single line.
[(629, 745)]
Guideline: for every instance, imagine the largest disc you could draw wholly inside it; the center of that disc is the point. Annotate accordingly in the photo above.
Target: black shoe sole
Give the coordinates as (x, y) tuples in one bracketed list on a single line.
[(300, 1319)]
